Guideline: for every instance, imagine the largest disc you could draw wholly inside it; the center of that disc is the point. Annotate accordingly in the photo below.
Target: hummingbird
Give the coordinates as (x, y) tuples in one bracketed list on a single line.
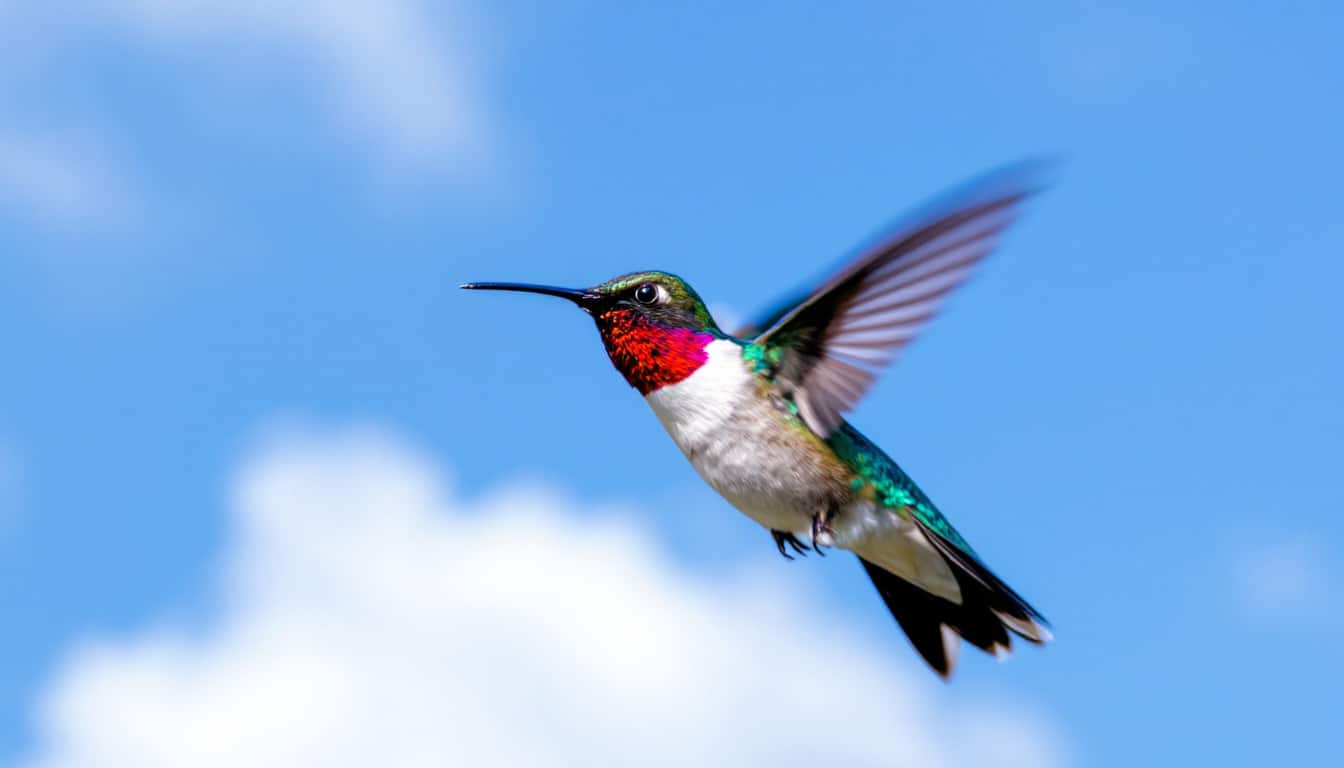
[(759, 412)]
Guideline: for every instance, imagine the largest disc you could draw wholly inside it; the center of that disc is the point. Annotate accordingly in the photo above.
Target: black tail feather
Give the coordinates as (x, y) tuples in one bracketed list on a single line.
[(977, 581), (918, 614), (977, 618)]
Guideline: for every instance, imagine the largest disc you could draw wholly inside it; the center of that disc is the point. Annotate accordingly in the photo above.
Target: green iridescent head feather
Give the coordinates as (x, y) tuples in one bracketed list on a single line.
[(682, 306)]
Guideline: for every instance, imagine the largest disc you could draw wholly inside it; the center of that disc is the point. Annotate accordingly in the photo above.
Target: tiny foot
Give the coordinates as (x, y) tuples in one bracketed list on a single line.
[(782, 538), (819, 527)]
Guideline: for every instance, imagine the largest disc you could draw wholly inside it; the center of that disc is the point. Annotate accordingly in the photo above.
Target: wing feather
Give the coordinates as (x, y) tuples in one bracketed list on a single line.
[(836, 340)]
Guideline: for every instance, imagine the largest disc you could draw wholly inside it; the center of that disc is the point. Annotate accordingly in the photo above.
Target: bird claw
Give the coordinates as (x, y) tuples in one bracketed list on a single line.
[(818, 528), (782, 538)]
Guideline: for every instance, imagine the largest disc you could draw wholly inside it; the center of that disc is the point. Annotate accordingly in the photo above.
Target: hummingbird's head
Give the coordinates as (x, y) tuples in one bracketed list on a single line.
[(654, 326), (658, 298)]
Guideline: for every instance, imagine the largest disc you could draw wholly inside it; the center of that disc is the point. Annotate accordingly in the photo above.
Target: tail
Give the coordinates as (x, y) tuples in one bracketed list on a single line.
[(989, 610)]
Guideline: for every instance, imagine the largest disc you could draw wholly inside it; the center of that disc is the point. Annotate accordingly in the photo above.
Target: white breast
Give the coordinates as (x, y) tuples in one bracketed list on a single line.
[(741, 445), (733, 437)]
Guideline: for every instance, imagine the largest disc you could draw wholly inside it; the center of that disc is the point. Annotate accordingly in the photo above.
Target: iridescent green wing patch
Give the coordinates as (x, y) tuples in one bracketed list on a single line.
[(763, 359), (878, 475)]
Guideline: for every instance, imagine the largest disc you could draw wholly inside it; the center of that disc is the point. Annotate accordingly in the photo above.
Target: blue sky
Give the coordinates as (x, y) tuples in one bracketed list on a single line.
[(221, 223)]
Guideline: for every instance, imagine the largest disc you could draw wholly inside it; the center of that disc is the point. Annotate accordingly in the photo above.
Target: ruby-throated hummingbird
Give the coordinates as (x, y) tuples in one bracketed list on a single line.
[(758, 412)]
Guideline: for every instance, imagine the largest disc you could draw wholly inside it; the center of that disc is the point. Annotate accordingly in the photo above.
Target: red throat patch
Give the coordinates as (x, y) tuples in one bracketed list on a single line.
[(649, 355)]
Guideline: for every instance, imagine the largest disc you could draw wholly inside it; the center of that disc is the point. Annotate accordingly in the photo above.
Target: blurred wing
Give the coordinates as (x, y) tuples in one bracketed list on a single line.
[(831, 345), (769, 319)]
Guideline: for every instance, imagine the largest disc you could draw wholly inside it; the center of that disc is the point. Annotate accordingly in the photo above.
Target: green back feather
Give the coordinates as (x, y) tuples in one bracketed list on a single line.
[(891, 486)]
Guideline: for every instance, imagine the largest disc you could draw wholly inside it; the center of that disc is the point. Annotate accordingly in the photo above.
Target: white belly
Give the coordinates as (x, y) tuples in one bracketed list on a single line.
[(737, 440), (742, 447)]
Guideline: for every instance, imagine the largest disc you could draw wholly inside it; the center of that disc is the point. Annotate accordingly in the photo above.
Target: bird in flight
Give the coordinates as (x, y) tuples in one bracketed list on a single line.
[(760, 412)]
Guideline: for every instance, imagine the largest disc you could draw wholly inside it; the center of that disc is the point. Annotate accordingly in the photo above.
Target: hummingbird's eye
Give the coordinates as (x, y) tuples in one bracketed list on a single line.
[(646, 293)]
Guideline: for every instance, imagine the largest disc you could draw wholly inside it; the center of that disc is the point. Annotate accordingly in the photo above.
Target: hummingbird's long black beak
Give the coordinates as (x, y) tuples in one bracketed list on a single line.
[(585, 299)]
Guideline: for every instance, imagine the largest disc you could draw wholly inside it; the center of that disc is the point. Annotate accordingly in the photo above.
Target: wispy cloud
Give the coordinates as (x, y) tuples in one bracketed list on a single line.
[(399, 78), (1287, 577), (66, 182), (392, 71), (370, 617), (1104, 54)]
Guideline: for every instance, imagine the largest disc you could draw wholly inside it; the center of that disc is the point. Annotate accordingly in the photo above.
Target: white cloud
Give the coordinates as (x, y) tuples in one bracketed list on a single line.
[(369, 617), (398, 76), (67, 182), (392, 71), (1283, 578)]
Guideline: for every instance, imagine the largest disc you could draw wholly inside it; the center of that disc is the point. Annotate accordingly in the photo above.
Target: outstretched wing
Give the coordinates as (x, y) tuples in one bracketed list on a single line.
[(752, 328), (826, 351)]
